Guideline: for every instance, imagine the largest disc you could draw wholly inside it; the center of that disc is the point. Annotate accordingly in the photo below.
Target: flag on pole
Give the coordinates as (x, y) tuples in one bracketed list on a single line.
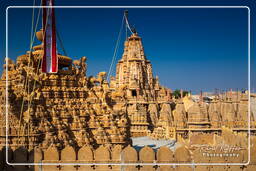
[(50, 58)]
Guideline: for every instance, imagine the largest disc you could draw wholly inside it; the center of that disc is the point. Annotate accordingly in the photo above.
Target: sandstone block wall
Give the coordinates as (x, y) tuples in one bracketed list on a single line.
[(128, 155)]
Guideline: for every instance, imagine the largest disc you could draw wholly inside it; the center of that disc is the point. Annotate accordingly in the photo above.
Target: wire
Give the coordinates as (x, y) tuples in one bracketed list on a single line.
[(61, 42), (38, 64), (30, 47), (37, 69), (26, 82), (127, 23), (116, 47)]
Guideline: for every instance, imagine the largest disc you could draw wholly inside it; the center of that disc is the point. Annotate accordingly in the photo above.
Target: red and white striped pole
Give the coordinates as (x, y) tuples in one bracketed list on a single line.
[(50, 58)]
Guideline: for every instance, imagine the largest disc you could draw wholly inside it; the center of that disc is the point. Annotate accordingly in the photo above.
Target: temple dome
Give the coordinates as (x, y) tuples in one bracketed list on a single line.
[(197, 115), (39, 35)]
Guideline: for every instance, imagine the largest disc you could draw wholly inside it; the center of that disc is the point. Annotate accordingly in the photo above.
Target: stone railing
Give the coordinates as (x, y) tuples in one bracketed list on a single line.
[(138, 160)]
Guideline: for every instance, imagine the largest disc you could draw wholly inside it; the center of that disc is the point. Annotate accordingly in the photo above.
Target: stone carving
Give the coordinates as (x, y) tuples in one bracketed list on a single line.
[(81, 66), (153, 113), (61, 104)]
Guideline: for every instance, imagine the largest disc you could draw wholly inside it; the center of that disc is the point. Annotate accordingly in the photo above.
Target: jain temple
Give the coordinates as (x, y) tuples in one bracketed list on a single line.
[(70, 117)]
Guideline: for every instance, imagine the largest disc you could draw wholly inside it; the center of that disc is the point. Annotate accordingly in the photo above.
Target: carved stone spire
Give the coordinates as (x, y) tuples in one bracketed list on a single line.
[(134, 69)]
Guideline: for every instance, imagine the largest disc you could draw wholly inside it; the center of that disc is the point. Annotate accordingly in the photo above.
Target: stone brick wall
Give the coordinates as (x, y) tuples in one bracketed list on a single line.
[(128, 155)]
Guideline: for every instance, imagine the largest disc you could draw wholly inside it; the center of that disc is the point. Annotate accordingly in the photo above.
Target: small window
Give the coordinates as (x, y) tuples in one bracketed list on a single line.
[(134, 93)]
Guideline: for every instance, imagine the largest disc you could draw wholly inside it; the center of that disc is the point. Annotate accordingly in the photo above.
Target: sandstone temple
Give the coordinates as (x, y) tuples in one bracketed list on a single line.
[(69, 117)]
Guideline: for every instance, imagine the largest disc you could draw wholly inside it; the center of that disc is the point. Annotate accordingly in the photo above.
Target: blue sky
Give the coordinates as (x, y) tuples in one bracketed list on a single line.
[(192, 49)]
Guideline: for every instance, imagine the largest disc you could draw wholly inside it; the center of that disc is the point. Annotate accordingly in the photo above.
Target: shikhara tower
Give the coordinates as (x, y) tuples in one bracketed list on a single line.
[(134, 71), (141, 92)]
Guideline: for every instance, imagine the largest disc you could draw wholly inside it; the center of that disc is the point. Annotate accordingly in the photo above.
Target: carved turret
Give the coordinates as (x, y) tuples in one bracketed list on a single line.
[(198, 116), (138, 117), (134, 83), (134, 70)]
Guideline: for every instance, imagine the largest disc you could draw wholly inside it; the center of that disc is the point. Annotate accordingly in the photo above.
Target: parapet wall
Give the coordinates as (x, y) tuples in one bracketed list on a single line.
[(116, 154)]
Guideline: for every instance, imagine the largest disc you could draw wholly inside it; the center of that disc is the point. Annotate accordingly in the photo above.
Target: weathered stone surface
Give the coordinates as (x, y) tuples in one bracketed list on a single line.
[(184, 168), (198, 116), (129, 155), (199, 158), (165, 155), (179, 115), (51, 155), (85, 155), (182, 154), (201, 138), (68, 155), (116, 157), (147, 155), (37, 155), (102, 155), (153, 113), (116, 153), (218, 168)]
